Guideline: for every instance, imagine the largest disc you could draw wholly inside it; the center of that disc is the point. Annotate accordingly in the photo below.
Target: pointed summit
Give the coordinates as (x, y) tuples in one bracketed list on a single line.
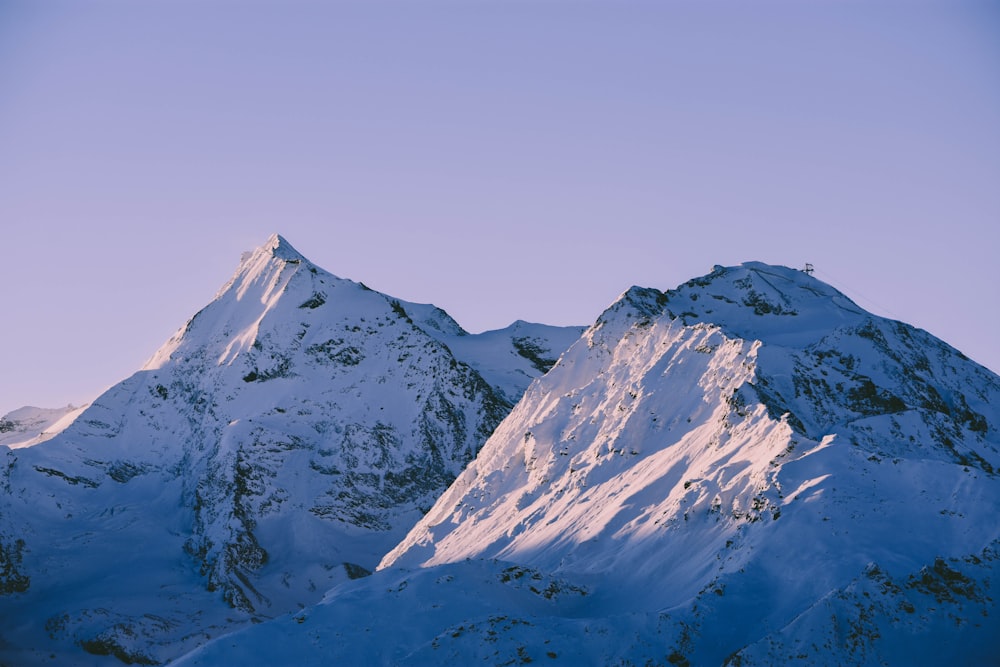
[(279, 247), (265, 275), (275, 247)]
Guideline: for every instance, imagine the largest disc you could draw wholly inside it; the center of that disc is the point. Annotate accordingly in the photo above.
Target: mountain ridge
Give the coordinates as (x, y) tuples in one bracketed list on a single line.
[(749, 469), (279, 442)]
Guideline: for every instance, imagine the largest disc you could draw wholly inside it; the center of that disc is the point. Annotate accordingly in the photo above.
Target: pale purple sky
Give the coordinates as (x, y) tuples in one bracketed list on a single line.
[(503, 160)]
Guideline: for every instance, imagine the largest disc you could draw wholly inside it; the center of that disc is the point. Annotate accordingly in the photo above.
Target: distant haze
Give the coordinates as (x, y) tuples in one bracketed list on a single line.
[(504, 160)]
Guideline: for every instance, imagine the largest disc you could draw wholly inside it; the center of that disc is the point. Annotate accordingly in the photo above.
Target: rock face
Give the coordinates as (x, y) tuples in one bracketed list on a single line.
[(747, 470), (281, 442)]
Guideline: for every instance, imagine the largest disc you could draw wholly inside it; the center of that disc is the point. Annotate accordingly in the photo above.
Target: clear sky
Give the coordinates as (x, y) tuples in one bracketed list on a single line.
[(502, 159)]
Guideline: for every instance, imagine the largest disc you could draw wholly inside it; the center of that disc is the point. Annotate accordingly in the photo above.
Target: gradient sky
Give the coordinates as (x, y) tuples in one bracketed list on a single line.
[(503, 160)]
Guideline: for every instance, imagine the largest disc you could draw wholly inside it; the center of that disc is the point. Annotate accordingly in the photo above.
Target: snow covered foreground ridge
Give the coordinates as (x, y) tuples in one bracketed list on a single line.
[(748, 470), (281, 442), (29, 425)]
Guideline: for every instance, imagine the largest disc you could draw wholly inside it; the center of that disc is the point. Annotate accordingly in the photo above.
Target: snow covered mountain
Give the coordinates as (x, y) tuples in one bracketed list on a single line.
[(281, 442), (29, 425), (747, 470)]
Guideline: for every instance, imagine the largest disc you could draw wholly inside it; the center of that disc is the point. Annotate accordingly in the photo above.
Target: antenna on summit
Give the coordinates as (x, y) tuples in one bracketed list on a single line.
[(808, 270)]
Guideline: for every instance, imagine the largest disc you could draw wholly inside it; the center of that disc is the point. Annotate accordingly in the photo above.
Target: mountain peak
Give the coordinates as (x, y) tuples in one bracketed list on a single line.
[(785, 285), (750, 435), (278, 247), (754, 300), (253, 262)]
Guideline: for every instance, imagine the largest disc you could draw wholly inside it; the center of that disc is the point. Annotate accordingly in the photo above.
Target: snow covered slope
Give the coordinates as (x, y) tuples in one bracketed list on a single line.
[(29, 425), (747, 470), (281, 442)]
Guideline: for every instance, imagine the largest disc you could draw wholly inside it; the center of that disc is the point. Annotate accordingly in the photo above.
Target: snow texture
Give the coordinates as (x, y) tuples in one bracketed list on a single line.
[(29, 425), (747, 470), (279, 443)]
